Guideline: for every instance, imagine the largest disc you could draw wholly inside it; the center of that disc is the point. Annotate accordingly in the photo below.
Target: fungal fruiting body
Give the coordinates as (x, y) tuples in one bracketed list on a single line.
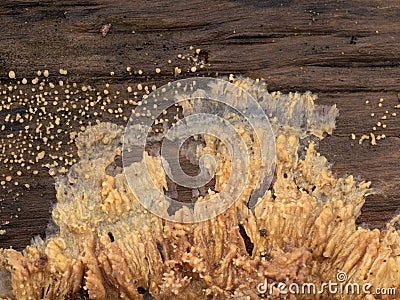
[(303, 230)]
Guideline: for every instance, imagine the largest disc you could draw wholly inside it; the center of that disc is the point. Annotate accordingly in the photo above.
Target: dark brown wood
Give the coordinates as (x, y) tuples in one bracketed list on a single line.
[(346, 51)]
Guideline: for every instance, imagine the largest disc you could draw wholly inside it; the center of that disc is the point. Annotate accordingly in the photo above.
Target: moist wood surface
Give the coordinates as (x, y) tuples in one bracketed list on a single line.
[(345, 51)]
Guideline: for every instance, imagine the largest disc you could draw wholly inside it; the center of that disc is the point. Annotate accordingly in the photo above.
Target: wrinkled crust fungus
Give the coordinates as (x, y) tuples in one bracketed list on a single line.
[(109, 247)]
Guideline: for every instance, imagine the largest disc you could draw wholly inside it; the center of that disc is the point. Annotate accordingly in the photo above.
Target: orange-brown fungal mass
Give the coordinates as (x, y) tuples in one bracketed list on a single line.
[(303, 230)]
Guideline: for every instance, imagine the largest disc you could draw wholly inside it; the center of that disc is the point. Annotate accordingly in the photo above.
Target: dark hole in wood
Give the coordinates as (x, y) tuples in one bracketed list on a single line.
[(247, 242), (161, 250), (110, 235)]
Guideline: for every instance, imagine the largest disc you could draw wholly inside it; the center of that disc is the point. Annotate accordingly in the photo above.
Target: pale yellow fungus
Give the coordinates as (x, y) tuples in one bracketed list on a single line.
[(363, 138), (373, 140)]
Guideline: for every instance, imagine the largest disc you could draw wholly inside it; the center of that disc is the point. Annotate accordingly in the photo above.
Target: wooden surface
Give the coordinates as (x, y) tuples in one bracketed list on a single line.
[(345, 51)]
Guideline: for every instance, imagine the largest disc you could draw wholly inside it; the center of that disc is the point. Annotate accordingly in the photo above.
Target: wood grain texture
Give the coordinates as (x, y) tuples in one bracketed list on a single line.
[(346, 51)]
